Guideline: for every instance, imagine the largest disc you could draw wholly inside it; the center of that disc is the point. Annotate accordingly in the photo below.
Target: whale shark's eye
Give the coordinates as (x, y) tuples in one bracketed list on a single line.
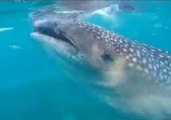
[(107, 57)]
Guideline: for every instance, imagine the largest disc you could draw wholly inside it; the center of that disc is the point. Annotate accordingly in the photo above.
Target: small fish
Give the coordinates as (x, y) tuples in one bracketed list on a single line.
[(6, 29), (15, 47)]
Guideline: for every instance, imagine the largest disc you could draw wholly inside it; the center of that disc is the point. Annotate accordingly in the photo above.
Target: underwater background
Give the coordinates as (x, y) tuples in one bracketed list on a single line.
[(36, 86)]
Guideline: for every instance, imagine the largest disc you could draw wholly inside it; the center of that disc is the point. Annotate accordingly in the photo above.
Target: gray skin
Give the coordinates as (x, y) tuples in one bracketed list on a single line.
[(139, 74)]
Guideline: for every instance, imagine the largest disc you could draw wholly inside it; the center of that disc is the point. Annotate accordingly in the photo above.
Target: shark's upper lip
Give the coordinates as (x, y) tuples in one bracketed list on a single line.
[(58, 35)]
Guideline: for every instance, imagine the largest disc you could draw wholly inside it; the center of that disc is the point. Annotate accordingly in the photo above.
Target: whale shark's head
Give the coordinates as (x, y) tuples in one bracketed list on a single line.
[(73, 40)]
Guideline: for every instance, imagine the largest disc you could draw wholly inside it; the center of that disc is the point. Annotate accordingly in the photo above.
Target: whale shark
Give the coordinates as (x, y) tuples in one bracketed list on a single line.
[(137, 76)]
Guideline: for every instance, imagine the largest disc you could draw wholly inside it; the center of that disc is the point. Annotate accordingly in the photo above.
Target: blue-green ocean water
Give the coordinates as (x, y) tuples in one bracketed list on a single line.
[(36, 86)]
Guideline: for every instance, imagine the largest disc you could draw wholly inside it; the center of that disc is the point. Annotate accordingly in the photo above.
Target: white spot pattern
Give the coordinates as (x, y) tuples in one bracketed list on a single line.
[(155, 62)]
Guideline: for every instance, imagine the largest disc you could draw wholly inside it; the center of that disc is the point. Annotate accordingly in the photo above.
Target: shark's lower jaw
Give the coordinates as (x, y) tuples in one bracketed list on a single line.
[(61, 47)]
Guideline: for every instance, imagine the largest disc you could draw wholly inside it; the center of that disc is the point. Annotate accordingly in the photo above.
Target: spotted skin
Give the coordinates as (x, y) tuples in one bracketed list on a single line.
[(152, 61), (131, 72)]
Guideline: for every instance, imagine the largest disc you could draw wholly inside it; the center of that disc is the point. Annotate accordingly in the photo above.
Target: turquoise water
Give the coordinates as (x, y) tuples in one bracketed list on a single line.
[(35, 85)]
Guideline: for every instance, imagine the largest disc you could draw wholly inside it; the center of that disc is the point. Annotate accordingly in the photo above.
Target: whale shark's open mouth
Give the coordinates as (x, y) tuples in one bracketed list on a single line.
[(50, 31)]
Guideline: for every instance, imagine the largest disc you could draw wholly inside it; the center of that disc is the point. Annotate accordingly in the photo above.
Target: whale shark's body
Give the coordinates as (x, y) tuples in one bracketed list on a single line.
[(137, 76)]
